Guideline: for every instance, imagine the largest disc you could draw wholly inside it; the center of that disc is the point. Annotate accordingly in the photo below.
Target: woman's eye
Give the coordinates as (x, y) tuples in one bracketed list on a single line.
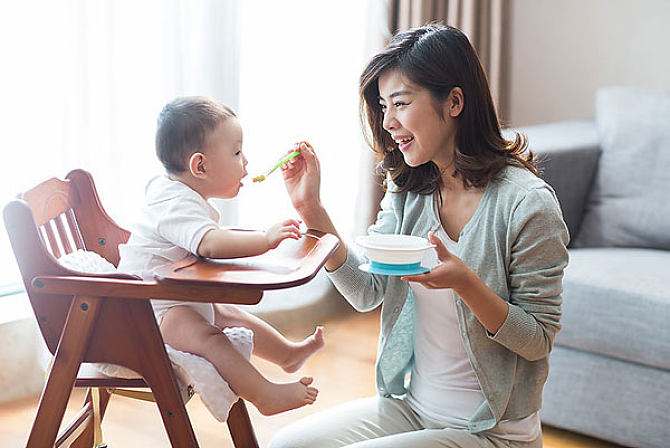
[(238, 153), (399, 104), (382, 107)]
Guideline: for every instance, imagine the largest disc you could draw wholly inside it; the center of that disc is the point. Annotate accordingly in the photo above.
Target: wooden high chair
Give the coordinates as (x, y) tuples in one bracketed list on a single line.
[(89, 318)]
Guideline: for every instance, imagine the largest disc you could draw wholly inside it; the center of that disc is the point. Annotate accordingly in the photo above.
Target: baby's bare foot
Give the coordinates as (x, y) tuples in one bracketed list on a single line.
[(303, 350), (284, 397)]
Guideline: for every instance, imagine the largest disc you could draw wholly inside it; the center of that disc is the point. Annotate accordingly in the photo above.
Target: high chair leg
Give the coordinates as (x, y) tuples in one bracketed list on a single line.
[(69, 354), (158, 374), (87, 437), (97, 419), (240, 427)]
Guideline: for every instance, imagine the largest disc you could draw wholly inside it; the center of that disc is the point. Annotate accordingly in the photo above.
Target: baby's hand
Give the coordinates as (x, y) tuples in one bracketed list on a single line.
[(289, 228)]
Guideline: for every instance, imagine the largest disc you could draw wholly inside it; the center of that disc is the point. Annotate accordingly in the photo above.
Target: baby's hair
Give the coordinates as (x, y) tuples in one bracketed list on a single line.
[(183, 126)]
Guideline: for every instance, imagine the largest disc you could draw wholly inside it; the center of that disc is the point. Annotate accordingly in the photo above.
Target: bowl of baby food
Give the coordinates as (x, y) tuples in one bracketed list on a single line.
[(394, 254)]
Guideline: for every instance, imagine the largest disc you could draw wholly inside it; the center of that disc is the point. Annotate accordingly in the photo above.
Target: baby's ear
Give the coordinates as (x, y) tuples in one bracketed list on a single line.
[(196, 164)]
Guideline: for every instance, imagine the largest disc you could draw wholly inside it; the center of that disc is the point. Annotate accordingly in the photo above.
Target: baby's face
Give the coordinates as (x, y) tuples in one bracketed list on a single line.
[(226, 164)]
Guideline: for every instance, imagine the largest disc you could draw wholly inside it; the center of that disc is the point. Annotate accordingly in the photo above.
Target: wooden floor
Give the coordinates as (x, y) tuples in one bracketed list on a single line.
[(343, 371)]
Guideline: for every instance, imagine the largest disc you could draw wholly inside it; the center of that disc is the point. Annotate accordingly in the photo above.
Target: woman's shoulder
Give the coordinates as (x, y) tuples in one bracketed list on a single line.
[(514, 180), (518, 191), (515, 183), (529, 205)]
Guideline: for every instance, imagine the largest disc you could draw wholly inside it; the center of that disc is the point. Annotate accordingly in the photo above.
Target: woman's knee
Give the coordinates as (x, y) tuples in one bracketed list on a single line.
[(306, 433), (336, 427), (288, 437)]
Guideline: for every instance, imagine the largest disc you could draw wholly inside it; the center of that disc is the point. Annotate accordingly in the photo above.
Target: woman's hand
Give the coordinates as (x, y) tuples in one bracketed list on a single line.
[(302, 177), (289, 228), (451, 272)]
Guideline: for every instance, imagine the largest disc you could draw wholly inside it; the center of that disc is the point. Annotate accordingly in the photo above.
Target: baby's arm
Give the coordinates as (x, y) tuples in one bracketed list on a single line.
[(230, 243)]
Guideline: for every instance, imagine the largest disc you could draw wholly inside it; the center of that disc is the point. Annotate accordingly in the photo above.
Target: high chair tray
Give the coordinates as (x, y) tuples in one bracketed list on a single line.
[(292, 263)]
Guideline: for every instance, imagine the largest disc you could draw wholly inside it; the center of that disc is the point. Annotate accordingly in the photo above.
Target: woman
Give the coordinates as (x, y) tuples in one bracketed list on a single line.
[(475, 332)]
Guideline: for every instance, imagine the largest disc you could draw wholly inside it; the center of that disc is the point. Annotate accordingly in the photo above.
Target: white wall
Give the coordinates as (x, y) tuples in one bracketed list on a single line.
[(562, 51)]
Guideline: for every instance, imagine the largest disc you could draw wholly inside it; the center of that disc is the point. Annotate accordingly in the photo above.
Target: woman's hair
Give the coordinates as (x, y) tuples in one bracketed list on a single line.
[(440, 58), (183, 127)]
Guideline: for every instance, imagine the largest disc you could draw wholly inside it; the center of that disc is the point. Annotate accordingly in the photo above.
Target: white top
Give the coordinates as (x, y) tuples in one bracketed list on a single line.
[(444, 389), (173, 222)]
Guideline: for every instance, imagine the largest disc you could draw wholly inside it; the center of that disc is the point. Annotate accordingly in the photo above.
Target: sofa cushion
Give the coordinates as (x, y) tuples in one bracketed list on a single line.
[(568, 153), (628, 205), (616, 302), (607, 398)]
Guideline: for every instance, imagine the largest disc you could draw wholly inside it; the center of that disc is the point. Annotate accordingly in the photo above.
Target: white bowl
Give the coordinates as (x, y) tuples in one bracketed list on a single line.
[(394, 249)]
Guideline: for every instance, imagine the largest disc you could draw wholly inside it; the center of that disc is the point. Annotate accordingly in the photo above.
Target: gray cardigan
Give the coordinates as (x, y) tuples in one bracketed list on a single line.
[(516, 242)]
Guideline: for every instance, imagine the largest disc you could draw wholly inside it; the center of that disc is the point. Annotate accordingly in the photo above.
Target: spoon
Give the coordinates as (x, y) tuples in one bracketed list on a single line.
[(283, 160)]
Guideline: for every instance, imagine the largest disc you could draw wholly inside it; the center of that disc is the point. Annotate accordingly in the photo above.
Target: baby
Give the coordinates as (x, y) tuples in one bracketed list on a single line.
[(200, 144)]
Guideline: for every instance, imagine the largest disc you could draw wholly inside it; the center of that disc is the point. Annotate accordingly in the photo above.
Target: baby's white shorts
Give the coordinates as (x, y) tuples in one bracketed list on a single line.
[(161, 307)]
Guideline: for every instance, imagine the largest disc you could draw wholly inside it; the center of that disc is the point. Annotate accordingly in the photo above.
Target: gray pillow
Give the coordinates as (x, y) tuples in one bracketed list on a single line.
[(629, 204)]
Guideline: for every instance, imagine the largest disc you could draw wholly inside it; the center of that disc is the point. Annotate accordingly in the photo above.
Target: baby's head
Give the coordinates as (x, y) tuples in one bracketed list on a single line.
[(199, 141)]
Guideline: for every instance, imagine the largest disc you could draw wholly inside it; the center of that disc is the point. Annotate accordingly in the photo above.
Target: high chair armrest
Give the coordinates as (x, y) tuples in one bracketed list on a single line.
[(141, 289)]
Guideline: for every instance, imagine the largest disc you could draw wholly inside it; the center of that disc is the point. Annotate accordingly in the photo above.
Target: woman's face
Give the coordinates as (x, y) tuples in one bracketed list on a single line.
[(422, 129)]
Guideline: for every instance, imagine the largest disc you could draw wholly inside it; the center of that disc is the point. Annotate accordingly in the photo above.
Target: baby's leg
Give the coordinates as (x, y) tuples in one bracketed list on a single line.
[(186, 330), (269, 344)]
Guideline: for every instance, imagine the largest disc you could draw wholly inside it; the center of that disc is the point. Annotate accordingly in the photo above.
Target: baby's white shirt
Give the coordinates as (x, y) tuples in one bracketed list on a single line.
[(173, 221)]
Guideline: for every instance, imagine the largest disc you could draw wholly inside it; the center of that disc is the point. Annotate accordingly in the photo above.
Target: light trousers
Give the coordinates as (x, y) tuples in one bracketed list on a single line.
[(379, 422)]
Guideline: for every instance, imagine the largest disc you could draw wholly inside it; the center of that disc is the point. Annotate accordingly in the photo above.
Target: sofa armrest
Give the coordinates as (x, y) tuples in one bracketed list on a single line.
[(568, 152)]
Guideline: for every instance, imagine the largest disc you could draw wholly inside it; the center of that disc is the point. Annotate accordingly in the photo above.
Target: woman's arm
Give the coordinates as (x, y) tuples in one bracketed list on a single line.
[(318, 218), (491, 310), (363, 290), (538, 258), (302, 178), (452, 273)]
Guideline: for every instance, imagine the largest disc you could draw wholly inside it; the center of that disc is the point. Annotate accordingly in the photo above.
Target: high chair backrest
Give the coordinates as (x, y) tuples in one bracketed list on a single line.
[(55, 218)]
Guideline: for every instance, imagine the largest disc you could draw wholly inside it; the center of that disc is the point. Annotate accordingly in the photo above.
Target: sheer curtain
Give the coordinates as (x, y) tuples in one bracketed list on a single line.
[(299, 68), (83, 82), (485, 22)]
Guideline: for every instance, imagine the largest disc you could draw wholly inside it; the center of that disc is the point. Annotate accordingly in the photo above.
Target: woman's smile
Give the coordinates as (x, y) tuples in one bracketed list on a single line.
[(404, 143)]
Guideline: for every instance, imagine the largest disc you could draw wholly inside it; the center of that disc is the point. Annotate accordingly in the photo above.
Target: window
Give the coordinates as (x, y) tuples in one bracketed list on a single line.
[(88, 77), (299, 68), (87, 81)]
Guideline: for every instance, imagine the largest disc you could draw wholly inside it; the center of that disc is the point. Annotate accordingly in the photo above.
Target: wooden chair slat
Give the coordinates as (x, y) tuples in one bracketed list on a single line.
[(76, 427), (55, 251), (64, 237), (74, 229), (87, 437), (89, 376)]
